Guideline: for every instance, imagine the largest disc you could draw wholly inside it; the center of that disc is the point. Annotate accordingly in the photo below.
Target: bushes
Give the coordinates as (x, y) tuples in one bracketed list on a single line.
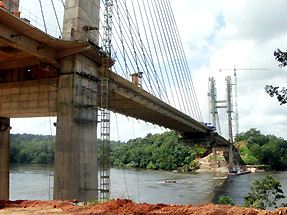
[(226, 200)]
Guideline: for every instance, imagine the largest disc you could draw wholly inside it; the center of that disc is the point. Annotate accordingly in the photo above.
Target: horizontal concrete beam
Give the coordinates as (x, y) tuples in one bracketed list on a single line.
[(19, 41), (223, 149), (28, 99)]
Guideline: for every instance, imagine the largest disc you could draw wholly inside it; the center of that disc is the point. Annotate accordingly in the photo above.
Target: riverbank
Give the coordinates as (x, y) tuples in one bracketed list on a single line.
[(205, 164), (124, 206)]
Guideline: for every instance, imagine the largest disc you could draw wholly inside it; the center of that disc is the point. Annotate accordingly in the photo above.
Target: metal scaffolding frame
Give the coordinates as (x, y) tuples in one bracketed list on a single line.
[(104, 106)]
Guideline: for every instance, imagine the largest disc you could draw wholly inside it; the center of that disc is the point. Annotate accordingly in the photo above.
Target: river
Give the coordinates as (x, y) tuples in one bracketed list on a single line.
[(35, 181)]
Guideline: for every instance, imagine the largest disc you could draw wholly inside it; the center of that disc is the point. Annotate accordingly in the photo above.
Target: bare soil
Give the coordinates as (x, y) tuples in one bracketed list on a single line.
[(125, 207)]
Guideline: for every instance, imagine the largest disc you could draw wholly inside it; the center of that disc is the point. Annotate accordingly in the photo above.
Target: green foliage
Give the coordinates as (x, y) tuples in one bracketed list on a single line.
[(218, 159), (200, 151), (159, 151), (243, 150), (226, 200), (28, 148), (92, 203), (264, 193), (96, 201), (281, 95), (250, 160), (263, 149)]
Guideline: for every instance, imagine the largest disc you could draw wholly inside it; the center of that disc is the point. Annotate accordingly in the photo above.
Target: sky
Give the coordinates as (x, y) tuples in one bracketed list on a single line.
[(216, 34)]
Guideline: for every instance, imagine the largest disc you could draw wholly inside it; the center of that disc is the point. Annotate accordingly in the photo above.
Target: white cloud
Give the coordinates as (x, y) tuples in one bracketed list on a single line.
[(252, 32)]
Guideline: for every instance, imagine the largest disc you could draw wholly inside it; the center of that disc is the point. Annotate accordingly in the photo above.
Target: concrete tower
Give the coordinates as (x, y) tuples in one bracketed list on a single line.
[(76, 170), (12, 5)]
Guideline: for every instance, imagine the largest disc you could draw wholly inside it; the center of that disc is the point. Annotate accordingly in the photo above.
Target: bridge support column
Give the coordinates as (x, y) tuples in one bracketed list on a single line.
[(4, 157), (76, 168), (214, 162), (231, 164), (12, 5)]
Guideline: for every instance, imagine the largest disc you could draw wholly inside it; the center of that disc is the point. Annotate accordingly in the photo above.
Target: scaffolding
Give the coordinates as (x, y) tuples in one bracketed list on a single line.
[(104, 104)]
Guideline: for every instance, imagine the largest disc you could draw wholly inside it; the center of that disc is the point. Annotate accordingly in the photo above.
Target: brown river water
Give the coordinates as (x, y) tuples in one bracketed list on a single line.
[(35, 182)]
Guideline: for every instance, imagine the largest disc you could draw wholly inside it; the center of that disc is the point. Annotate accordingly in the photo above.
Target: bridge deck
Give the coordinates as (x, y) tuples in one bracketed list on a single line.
[(130, 100)]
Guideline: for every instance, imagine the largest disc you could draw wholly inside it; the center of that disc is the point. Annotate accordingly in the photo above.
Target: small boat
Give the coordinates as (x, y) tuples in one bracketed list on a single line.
[(169, 181), (238, 172)]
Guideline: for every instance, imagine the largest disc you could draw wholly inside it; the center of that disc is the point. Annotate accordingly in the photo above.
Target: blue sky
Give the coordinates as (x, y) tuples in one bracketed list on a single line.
[(216, 35)]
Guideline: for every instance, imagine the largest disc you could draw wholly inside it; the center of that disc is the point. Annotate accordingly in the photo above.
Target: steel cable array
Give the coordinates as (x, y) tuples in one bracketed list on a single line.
[(146, 39)]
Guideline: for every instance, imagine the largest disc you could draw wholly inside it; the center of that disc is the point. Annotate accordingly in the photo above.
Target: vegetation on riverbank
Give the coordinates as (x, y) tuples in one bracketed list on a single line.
[(158, 151), (256, 148), (29, 148)]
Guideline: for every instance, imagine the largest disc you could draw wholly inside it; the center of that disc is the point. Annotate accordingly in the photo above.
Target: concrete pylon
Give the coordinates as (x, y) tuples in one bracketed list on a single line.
[(4, 157), (214, 162), (81, 20), (12, 5), (231, 163), (76, 168)]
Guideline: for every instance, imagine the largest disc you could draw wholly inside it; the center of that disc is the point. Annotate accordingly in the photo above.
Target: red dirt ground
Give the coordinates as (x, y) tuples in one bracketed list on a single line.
[(125, 207)]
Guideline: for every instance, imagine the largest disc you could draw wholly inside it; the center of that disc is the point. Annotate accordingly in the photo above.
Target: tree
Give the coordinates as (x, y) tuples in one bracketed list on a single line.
[(264, 194), (281, 95), (281, 57), (226, 200)]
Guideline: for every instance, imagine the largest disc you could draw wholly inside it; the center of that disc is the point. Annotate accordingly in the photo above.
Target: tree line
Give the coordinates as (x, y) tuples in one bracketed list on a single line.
[(158, 151), (29, 148), (256, 148)]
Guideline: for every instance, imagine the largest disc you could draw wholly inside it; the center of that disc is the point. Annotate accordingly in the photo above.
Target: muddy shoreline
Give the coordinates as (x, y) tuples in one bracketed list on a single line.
[(124, 206)]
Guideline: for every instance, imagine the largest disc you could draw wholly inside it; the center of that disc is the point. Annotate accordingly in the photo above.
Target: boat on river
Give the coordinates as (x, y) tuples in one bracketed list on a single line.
[(238, 172), (169, 181)]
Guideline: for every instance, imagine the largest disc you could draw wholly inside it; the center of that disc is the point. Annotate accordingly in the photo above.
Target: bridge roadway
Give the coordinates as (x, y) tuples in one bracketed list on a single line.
[(23, 45)]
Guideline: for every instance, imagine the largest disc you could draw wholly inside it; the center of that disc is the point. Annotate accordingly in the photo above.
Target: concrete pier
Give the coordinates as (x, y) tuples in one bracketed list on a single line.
[(11, 5), (214, 162), (231, 163), (4, 157), (76, 169)]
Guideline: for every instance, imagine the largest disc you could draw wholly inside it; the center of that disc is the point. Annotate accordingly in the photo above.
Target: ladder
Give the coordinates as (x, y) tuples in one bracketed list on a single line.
[(104, 104), (105, 141)]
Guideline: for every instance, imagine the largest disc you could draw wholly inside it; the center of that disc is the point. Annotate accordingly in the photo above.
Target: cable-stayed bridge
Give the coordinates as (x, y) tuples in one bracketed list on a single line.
[(88, 69)]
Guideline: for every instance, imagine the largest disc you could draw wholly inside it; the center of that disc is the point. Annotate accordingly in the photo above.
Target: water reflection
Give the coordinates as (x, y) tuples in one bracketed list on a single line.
[(31, 181), (148, 186)]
